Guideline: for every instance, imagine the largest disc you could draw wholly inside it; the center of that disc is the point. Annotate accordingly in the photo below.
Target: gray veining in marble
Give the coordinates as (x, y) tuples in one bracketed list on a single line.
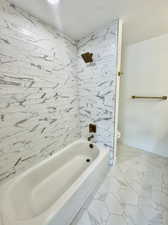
[(135, 192), (97, 83), (39, 111), (48, 95)]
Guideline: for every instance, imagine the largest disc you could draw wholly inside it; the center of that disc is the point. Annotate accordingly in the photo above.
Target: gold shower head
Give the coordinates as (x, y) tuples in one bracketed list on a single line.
[(87, 57)]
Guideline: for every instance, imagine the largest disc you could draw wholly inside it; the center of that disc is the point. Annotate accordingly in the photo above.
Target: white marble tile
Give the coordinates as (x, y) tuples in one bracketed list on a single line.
[(39, 105), (97, 83), (128, 195), (42, 81)]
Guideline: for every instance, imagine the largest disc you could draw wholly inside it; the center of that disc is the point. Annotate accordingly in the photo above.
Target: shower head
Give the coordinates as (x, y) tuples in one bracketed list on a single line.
[(87, 57)]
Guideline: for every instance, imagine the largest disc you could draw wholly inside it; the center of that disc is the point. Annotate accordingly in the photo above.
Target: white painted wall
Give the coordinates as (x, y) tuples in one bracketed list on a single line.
[(144, 123)]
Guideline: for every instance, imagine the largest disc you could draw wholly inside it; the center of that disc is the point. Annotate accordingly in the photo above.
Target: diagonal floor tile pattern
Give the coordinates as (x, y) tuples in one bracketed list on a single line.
[(135, 192)]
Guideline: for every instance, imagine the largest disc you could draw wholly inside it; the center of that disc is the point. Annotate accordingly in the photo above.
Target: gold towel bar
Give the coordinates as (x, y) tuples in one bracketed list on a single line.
[(147, 97)]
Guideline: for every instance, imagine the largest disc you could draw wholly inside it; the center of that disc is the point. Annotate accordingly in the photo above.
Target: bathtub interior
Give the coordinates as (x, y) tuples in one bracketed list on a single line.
[(37, 190)]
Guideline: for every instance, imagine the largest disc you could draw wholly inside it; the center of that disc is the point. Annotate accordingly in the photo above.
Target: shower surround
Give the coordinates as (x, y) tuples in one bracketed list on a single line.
[(38, 91), (97, 83), (48, 95)]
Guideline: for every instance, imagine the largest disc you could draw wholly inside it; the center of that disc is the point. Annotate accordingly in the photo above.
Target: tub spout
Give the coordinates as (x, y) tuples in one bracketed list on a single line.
[(91, 137)]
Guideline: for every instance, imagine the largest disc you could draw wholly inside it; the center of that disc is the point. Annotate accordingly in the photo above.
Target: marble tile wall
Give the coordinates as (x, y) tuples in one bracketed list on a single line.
[(97, 83), (48, 95), (39, 110)]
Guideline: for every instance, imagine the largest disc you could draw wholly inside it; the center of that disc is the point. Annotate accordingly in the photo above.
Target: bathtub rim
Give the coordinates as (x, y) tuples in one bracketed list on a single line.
[(46, 216)]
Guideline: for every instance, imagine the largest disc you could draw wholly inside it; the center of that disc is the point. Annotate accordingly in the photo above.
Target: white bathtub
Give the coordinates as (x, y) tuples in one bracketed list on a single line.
[(52, 192)]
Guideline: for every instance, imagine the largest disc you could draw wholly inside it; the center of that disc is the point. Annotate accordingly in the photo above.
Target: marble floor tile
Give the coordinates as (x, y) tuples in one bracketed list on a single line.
[(134, 192)]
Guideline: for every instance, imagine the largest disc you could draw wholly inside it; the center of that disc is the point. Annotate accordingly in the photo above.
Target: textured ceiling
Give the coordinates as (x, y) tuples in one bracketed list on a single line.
[(142, 19)]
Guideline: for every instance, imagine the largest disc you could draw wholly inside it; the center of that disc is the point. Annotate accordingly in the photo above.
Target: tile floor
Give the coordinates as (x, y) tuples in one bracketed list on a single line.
[(135, 192)]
